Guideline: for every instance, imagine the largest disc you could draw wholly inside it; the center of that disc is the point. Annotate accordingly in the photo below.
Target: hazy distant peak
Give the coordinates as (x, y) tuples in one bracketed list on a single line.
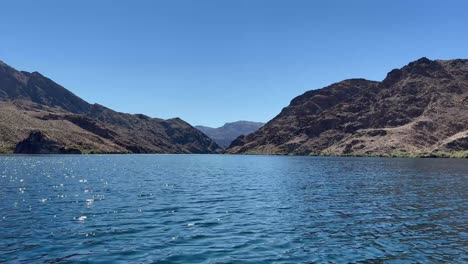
[(225, 134)]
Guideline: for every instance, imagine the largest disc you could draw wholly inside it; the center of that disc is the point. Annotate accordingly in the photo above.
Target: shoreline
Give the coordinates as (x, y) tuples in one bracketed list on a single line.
[(419, 155)]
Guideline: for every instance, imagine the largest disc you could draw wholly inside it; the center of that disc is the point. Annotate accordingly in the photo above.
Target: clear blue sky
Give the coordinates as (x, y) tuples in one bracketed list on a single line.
[(211, 62)]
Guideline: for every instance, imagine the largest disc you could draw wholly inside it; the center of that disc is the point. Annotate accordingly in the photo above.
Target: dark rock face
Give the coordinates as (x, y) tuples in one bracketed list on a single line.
[(38, 143), (16, 85), (30, 101), (459, 144), (422, 107), (224, 135), (83, 122)]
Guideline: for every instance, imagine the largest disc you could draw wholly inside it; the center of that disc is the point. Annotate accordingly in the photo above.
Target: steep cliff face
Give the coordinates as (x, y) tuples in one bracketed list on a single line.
[(224, 135), (420, 108), (31, 102)]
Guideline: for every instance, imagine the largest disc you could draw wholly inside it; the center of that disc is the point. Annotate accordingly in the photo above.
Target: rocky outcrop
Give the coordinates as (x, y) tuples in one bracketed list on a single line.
[(30, 102), (224, 135), (38, 143), (420, 108)]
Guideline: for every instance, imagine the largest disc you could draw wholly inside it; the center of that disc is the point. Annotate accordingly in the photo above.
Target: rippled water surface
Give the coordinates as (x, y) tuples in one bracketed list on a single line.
[(232, 209)]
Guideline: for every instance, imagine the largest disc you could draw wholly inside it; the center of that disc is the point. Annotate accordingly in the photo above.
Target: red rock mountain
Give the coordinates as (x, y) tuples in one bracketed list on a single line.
[(38, 115), (420, 109)]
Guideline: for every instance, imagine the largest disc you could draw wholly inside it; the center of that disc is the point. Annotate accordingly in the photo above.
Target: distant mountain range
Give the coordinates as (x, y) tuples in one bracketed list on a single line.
[(418, 110), (38, 115), (224, 135)]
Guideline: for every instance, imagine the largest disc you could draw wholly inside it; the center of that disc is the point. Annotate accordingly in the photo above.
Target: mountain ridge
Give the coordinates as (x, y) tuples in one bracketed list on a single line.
[(225, 134), (421, 108), (32, 103)]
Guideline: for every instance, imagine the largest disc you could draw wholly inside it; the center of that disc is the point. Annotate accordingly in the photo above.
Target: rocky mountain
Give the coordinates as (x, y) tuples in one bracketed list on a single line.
[(224, 135), (420, 109), (38, 115)]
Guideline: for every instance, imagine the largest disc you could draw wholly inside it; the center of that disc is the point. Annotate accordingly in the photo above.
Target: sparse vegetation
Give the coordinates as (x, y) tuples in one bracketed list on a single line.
[(5, 151)]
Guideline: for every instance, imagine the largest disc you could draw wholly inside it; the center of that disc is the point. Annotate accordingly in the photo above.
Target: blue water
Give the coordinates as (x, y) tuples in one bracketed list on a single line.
[(232, 209)]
